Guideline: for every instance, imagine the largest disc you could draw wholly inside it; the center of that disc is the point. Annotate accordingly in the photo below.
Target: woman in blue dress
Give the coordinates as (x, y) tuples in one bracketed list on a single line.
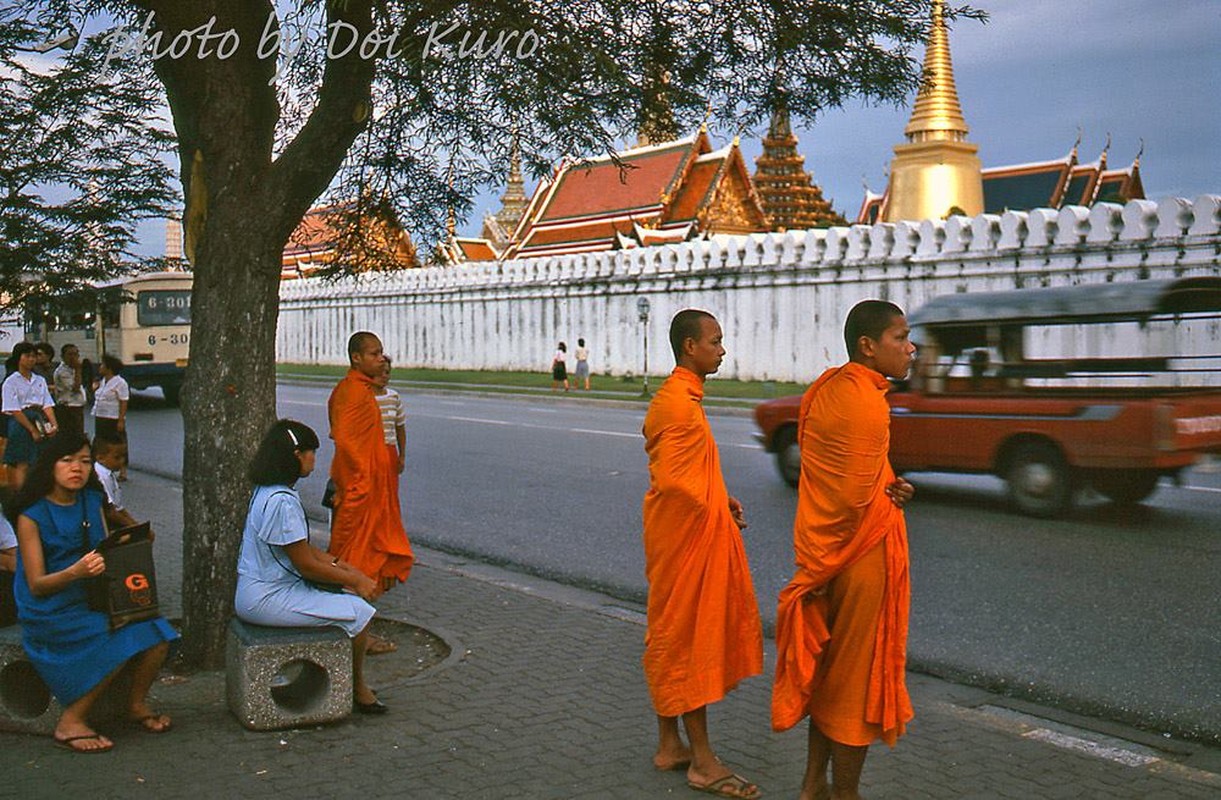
[(71, 646), (278, 568)]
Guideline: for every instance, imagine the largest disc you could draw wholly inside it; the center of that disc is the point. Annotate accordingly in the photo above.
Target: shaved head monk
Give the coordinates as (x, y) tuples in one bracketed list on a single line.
[(367, 527), (841, 625), (703, 632)]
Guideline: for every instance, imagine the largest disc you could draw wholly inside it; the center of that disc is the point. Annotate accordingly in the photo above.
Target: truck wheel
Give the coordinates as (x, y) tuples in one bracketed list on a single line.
[(1039, 481), (788, 455), (173, 393), (1124, 486)]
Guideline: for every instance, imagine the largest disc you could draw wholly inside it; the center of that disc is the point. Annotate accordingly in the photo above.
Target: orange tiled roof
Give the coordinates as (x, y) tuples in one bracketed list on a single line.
[(587, 206)]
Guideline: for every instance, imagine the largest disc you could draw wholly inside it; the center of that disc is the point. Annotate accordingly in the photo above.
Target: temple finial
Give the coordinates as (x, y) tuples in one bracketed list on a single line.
[(937, 114)]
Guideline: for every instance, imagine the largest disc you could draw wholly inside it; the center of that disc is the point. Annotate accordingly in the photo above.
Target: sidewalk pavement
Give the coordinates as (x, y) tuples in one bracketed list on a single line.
[(543, 697)]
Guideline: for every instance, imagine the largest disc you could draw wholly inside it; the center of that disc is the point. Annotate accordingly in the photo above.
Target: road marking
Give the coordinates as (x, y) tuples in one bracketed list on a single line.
[(605, 433), (298, 403), (1200, 488), (1117, 754), (479, 419)]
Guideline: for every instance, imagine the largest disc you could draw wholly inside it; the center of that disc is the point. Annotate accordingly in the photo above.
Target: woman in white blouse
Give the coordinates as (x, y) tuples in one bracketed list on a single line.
[(111, 394)]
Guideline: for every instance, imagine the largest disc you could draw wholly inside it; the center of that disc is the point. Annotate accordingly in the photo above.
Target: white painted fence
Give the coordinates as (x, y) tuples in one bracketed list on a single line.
[(781, 297)]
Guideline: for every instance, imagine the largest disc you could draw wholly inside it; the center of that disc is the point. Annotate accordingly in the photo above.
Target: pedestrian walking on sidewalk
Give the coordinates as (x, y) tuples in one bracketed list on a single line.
[(71, 646), (841, 625), (559, 368), (704, 633), (279, 571), (582, 357)]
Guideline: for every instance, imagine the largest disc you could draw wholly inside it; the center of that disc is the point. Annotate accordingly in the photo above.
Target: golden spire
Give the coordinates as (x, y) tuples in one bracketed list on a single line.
[(937, 115)]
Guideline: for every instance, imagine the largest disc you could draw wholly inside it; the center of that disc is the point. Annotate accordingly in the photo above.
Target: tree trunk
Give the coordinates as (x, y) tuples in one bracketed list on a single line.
[(225, 114)]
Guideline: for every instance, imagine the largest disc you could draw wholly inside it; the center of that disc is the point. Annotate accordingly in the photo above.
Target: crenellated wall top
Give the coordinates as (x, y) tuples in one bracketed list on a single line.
[(1172, 223)]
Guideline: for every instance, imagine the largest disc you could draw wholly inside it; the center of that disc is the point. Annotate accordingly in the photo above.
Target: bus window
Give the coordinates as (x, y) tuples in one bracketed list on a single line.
[(163, 307)]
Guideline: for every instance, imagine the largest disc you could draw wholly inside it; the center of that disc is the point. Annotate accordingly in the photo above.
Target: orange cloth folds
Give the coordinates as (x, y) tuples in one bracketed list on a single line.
[(367, 526), (704, 633), (856, 693)]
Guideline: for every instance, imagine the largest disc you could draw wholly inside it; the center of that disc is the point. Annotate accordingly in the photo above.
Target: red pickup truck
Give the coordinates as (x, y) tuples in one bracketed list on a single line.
[(993, 391)]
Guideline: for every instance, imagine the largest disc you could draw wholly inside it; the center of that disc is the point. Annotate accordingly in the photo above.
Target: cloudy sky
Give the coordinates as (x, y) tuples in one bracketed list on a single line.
[(1032, 75)]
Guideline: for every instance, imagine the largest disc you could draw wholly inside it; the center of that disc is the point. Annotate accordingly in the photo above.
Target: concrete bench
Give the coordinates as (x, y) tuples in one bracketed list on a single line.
[(26, 704), (287, 677)]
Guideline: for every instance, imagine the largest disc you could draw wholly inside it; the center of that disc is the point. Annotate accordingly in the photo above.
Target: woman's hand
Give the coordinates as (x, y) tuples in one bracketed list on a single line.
[(121, 425), (90, 565)]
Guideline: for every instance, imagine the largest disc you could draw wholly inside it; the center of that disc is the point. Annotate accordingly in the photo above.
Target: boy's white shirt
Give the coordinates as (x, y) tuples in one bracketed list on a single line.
[(114, 493)]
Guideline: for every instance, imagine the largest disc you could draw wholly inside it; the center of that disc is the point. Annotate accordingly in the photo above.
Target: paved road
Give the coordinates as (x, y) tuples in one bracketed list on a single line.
[(1111, 613)]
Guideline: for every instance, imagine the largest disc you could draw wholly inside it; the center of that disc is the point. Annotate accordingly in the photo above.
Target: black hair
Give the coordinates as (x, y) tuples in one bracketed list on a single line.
[(868, 318), (687, 324), (356, 342), (40, 480), (104, 441), (563, 347), (580, 342), (113, 364), (20, 349), (63, 351), (45, 347), (276, 461)]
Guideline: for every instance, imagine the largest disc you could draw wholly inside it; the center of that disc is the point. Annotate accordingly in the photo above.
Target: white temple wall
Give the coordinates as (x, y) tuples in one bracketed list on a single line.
[(780, 297)]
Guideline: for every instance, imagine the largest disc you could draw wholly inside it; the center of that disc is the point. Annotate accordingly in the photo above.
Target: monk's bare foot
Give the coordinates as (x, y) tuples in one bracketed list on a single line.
[(670, 758), (720, 780), (821, 790), (845, 794)]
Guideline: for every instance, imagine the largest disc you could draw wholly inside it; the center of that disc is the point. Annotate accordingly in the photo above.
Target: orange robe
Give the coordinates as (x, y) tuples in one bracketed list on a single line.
[(841, 655), (704, 633), (367, 527)]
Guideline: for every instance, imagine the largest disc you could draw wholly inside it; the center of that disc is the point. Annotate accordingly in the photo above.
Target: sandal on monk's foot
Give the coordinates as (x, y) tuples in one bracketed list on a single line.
[(153, 723), (729, 786), (74, 744)]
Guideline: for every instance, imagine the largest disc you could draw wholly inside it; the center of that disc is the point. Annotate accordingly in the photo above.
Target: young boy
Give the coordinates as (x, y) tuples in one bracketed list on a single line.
[(394, 419), (109, 456)]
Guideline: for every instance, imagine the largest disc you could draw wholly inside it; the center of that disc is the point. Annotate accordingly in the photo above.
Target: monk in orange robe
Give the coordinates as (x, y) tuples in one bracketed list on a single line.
[(841, 625), (366, 527), (704, 633)]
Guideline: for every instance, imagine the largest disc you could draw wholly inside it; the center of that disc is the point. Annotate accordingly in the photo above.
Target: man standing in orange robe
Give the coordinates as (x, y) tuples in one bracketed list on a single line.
[(841, 625), (704, 634), (366, 529)]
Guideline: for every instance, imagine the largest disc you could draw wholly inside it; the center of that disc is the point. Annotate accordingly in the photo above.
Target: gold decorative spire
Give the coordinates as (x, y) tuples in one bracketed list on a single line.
[(937, 116), (936, 172)]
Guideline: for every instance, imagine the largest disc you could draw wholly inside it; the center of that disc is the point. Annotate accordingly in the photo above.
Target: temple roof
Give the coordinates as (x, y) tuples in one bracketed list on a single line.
[(589, 204), (1042, 184), (313, 243)]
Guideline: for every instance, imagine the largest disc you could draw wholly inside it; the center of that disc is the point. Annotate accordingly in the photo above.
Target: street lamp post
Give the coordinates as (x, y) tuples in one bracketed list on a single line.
[(642, 308)]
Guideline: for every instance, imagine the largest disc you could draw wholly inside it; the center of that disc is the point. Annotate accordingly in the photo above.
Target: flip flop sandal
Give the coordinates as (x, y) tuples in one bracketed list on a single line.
[(66, 744), (729, 786)]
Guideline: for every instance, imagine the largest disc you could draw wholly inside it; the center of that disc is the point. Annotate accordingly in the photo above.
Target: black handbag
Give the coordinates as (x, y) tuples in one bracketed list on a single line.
[(328, 495), (127, 591)]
